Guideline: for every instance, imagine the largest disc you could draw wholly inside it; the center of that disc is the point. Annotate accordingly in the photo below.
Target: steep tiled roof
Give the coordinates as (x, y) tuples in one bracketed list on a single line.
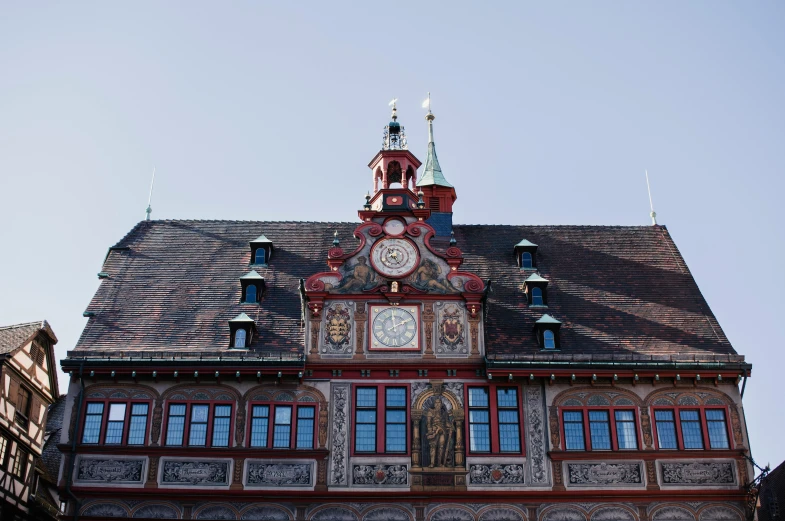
[(616, 290), (51, 455), (13, 337)]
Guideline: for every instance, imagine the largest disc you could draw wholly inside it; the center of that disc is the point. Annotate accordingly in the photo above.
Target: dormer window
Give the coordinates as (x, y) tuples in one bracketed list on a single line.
[(537, 297), (536, 289), (250, 294), (526, 255), (252, 288), (239, 338), (547, 330), (261, 250), (549, 339), (241, 330)]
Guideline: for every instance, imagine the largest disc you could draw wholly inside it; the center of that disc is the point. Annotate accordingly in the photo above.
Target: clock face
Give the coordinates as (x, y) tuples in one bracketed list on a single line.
[(394, 327), (394, 257), (394, 227)]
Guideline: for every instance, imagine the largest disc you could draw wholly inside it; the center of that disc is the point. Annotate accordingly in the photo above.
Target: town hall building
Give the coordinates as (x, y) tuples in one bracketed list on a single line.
[(402, 367)]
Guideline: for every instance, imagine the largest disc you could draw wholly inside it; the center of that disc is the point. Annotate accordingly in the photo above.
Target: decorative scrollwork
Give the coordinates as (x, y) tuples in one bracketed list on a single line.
[(453, 252)]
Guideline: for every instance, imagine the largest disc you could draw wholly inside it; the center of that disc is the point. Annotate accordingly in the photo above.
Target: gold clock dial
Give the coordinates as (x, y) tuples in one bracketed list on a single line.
[(394, 258)]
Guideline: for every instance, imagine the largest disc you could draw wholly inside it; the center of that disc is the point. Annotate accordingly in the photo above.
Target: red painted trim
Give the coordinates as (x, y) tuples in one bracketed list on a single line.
[(381, 418), (187, 424), (272, 404), (105, 421), (611, 410), (704, 424), (371, 316), (493, 413)]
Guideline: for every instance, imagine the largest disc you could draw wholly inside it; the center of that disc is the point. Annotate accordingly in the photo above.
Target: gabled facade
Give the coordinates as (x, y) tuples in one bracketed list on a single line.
[(402, 368), (28, 385)]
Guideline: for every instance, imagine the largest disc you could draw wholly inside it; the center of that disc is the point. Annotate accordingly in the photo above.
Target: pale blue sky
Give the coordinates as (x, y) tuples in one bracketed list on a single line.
[(547, 113)]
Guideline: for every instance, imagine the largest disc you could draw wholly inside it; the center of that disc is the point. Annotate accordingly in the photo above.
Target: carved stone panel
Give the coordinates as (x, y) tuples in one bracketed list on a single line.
[(380, 475), (279, 474), (537, 441), (110, 471), (451, 333), (605, 474), (339, 454), (195, 473), (697, 473), (496, 474)]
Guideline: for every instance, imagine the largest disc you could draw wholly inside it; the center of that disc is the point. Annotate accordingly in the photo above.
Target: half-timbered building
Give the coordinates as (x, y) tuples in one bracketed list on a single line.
[(402, 367), (28, 386)]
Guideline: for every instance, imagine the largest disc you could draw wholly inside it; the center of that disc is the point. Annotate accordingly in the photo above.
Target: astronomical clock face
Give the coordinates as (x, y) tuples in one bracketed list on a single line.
[(395, 327), (394, 258)]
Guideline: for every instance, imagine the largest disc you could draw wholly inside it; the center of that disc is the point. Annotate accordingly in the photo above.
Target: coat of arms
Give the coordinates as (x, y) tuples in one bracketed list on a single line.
[(338, 328), (451, 327)]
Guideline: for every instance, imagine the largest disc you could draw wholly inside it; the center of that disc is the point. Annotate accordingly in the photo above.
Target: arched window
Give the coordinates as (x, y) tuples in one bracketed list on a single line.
[(260, 256), (549, 339), (526, 259), (250, 293), (239, 338), (537, 298)]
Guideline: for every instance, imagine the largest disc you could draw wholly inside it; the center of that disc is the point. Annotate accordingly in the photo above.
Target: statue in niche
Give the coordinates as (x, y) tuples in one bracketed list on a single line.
[(439, 432)]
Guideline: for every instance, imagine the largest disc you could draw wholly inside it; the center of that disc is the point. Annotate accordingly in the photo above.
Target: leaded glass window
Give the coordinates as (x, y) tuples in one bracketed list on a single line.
[(282, 429), (259, 423), (718, 429), (666, 429), (600, 430), (305, 424), (176, 424), (138, 426), (573, 430), (507, 406), (691, 429), (526, 260), (115, 424), (197, 433), (221, 424), (625, 430), (260, 256), (365, 420), (549, 340), (395, 419), (479, 420), (92, 424)]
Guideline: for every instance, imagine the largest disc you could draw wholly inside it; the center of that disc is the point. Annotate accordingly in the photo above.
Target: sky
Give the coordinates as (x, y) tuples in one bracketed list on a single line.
[(546, 113)]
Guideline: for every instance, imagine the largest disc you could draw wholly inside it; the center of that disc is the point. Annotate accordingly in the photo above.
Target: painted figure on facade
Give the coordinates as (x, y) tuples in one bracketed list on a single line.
[(428, 278), (359, 277)]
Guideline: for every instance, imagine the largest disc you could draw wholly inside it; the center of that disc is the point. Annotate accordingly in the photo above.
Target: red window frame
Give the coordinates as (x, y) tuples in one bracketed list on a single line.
[(493, 410), (611, 409), (704, 425), (210, 422), (105, 421), (381, 418), (272, 404)]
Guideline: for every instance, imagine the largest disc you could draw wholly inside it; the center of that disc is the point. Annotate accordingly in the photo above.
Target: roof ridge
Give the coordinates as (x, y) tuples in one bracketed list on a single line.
[(39, 323)]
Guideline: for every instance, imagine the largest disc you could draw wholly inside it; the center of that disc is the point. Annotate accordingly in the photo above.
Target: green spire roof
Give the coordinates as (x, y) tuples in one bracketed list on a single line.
[(261, 240), (252, 275), (535, 278), (525, 244), (547, 319), (433, 172), (242, 317)]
